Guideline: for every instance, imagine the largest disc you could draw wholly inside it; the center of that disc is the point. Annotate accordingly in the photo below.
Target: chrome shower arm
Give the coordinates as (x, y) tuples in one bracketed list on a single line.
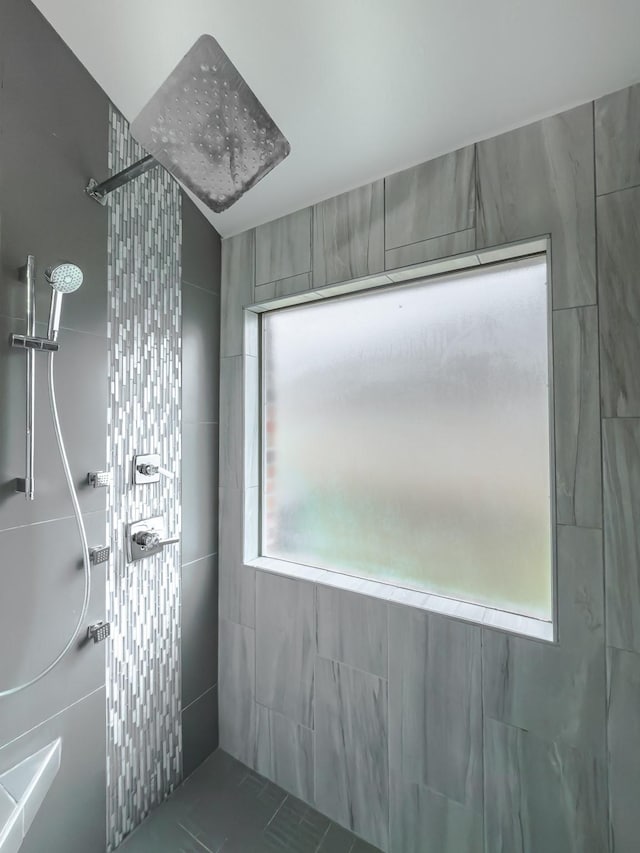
[(100, 191)]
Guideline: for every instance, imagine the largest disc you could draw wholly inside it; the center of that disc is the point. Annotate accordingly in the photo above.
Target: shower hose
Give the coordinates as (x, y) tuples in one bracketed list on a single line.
[(83, 539)]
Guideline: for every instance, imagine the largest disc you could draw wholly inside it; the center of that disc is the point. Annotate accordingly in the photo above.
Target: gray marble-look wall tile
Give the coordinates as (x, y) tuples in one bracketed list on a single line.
[(285, 646), (435, 703), (251, 533), (577, 417), (422, 820), (284, 753), (200, 248), (251, 422), (73, 814), (231, 423), (352, 628), (352, 770), (557, 690), (619, 301), (237, 591), (237, 707), (539, 180), (283, 247), (348, 235), (432, 199), (624, 752), (430, 250), (200, 731), (283, 287), (237, 594), (617, 118), (542, 797), (238, 277), (621, 444)]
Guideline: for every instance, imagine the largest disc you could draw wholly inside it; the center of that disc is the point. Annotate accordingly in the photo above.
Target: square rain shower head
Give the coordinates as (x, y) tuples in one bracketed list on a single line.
[(206, 127)]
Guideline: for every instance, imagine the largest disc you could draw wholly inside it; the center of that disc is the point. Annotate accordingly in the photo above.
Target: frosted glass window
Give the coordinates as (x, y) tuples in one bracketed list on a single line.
[(406, 436)]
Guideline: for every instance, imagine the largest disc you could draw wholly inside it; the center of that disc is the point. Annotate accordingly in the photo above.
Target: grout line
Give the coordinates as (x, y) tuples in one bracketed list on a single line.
[(52, 520), (623, 649), (197, 840), (104, 337), (273, 816), (284, 716), (200, 287), (621, 417), (52, 717), (198, 698), (428, 240), (200, 559), (602, 496), (324, 835), (355, 668), (575, 307), (619, 190)]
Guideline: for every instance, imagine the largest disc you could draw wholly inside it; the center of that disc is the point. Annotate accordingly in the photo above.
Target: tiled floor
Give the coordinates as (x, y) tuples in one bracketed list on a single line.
[(226, 808)]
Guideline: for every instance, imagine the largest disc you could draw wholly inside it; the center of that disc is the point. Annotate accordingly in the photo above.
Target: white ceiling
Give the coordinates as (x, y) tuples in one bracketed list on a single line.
[(363, 88)]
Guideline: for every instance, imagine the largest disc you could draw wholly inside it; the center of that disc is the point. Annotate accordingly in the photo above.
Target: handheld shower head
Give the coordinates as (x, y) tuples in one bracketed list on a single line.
[(63, 278)]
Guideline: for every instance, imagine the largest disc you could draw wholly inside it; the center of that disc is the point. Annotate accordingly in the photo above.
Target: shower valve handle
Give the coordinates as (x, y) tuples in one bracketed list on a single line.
[(150, 470), (147, 539), (151, 539)]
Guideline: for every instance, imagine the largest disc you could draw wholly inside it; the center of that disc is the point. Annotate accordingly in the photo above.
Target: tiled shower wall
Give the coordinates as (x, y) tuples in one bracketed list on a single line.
[(420, 732), (144, 759), (54, 135), (162, 660)]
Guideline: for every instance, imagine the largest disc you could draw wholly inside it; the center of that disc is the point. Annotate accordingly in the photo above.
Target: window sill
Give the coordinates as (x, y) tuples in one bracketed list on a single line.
[(489, 617)]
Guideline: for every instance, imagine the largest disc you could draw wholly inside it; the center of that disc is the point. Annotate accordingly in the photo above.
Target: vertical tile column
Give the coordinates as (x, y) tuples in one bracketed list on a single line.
[(237, 583), (200, 387), (143, 598), (617, 123), (544, 704)]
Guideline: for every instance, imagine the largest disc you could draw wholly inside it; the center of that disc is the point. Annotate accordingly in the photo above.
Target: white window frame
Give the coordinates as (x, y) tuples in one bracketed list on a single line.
[(479, 614)]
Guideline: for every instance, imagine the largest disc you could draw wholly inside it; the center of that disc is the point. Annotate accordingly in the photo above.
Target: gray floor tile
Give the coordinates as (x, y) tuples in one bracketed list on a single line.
[(225, 807), (337, 840), (295, 826)]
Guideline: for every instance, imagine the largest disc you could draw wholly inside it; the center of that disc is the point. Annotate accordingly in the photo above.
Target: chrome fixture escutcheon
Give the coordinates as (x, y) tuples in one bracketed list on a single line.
[(147, 537)]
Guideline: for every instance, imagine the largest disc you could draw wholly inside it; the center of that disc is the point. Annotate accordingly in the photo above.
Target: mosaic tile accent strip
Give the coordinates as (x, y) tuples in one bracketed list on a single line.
[(144, 748)]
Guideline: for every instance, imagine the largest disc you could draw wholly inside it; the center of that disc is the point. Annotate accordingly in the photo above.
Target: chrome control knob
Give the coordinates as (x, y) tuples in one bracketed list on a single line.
[(146, 539), (147, 469)]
